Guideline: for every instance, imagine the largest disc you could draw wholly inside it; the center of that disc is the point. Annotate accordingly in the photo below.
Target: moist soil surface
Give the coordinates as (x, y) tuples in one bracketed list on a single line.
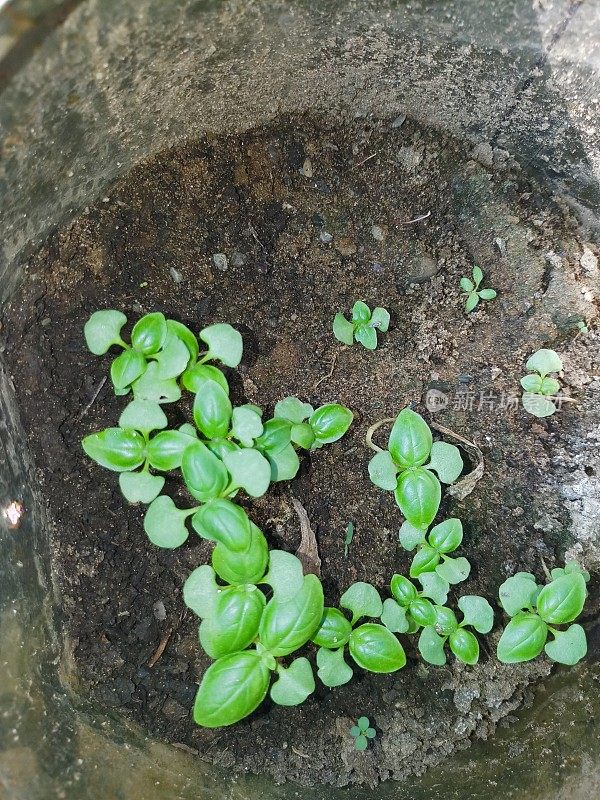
[(310, 217)]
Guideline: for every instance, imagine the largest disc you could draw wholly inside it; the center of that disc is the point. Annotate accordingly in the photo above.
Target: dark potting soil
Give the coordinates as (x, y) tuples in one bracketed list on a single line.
[(310, 217)]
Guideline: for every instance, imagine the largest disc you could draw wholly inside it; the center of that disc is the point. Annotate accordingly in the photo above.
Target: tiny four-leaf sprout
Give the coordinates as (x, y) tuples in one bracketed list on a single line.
[(362, 732), (539, 385), (363, 327), (473, 292)]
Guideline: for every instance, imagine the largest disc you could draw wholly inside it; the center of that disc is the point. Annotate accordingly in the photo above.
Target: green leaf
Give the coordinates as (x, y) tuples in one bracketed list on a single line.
[(477, 613), (286, 626), (140, 487), (204, 474), (150, 387), (431, 647), (410, 439), (423, 612), (302, 435), (284, 464), (363, 723), (434, 587), (446, 460), (115, 449), (221, 447), (464, 646), (293, 410), (568, 647), (466, 285), (165, 450), (342, 329), (383, 472), (487, 294), (233, 622), (334, 630), (231, 689), (224, 522), (225, 344), (362, 600), (517, 593), (275, 437), (361, 742), (410, 537), (149, 333), (426, 560), (471, 302), (285, 575), (194, 378), (246, 425), (477, 276), (164, 523), (563, 599), (544, 361), (573, 566), (142, 416), (403, 590), (523, 638), (249, 471), (380, 319), (173, 358), (532, 383), (103, 329), (186, 336), (538, 405), (361, 312), (376, 649), (393, 616), (333, 670), (446, 621), (446, 536), (294, 684), (454, 570), (418, 495), (370, 733), (247, 566), (212, 410), (126, 368), (355, 731), (330, 422), (549, 386), (367, 336), (201, 591)]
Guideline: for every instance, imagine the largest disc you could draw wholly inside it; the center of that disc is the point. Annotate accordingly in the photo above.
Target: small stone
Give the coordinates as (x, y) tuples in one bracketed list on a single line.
[(378, 233), (307, 168), (176, 275), (588, 260), (399, 121), (483, 153), (159, 611), (238, 259), (325, 237), (220, 261), (45, 322), (346, 247)]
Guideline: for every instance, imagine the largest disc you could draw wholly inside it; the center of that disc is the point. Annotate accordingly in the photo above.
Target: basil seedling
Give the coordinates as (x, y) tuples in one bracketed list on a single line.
[(363, 327), (402, 468), (536, 611), (432, 555), (373, 647), (362, 732), (473, 292), (477, 614), (539, 385)]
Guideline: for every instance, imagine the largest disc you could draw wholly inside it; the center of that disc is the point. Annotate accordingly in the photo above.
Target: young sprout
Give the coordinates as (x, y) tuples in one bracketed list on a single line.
[(362, 732), (535, 611), (348, 536), (473, 292), (363, 327), (539, 385)]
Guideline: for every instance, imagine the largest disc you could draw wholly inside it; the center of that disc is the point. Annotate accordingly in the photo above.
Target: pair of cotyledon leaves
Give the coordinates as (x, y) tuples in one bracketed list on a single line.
[(402, 468)]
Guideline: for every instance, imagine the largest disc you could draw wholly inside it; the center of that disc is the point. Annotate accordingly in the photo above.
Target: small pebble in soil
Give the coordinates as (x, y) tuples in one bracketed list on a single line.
[(378, 233), (220, 261), (346, 247), (307, 168), (399, 121), (325, 237), (238, 259), (176, 275), (160, 612)]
